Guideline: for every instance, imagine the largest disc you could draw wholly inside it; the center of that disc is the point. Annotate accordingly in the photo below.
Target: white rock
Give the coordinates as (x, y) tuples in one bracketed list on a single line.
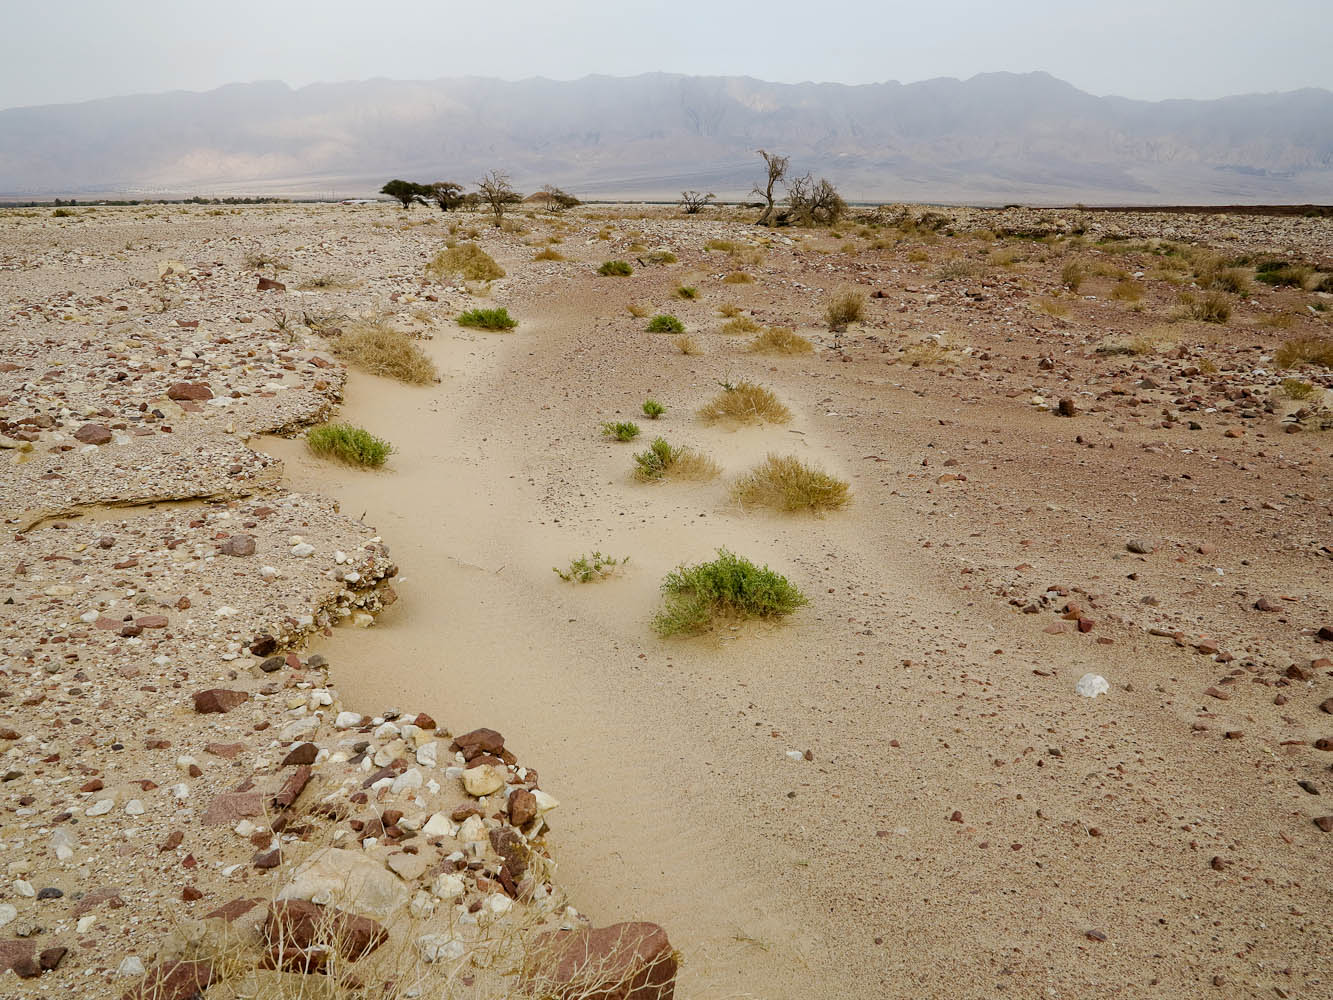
[(347, 878), (472, 830), (499, 904), (1091, 685), (483, 780), (428, 754), (437, 947), (303, 549), (85, 924), (795, 755), (409, 779), (100, 807), (134, 807), (439, 825), (24, 888), (545, 803), (8, 912), (131, 966), (63, 844), (347, 720)]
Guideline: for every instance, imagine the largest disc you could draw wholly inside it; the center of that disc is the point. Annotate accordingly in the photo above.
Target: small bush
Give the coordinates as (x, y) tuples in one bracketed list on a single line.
[(726, 246), (1230, 279), (1053, 307), (729, 309), (468, 261), (349, 444), (663, 460), (549, 254), (1125, 346), (687, 344), (787, 484), (664, 323), (636, 310), (620, 430), (488, 319), (1325, 284), (652, 409), (1280, 274), (738, 278), (1071, 275), (1305, 351), (1211, 308), (661, 257), (1294, 388), (326, 282), (687, 292), (745, 402), (917, 256), (780, 340), (926, 352), (376, 347), (615, 269), (590, 569), (1279, 321), (729, 586), (61, 213), (1127, 290), (843, 309), (741, 324), (953, 269)]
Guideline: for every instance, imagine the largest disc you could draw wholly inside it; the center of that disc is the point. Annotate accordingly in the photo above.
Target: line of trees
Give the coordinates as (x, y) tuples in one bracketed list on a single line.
[(494, 193)]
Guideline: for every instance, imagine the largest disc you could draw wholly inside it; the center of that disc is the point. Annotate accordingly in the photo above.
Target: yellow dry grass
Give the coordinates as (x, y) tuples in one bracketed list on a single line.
[(746, 403), (780, 340), (785, 483)]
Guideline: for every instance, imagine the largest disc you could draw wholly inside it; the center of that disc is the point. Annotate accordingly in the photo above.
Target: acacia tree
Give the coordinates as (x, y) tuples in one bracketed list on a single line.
[(496, 191), (447, 195), (406, 192), (814, 202), (694, 202), (777, 170)]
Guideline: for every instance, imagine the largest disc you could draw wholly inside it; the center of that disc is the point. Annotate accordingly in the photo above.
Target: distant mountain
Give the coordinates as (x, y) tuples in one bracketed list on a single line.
[(997, 137)]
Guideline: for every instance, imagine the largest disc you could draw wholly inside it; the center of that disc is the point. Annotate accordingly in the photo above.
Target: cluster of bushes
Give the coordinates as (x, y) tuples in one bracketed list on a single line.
[(494, 192)]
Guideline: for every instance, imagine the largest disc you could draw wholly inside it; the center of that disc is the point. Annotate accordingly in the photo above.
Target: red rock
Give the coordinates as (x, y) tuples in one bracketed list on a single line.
[(51, 958), (190, 391), (13, 953), (263, 645), (1219, 693), (479, 741), (218, 700), (151, 621), (227, 751), (174, 981), (173, 841), (303, 754), (1323, 743), (92, 786), (93, 434), (1326, 706), (8, 734), (292, 787), (229, 807), (1324, 823), (233, 910), (425, 721), (269, 285), (301, 925), (190, 894), (238, 545), (1267, 604), (631, 961), (522, 807)]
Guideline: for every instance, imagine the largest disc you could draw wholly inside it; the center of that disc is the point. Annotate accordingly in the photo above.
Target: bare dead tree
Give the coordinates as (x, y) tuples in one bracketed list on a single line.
[(694, 202), (496, 191), (777, 170)]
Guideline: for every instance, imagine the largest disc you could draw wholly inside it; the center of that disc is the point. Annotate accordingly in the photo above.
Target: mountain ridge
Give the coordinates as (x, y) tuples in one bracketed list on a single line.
[(993, 137)]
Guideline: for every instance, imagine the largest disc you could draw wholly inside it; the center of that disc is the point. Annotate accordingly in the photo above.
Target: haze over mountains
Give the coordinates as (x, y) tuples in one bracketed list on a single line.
[(994, 138)]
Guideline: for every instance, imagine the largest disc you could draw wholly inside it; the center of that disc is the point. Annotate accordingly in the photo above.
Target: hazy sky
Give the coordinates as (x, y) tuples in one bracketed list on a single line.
[(70, 50)]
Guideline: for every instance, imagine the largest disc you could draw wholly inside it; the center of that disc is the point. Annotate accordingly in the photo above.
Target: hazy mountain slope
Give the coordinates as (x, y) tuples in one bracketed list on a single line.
[(994, 137)]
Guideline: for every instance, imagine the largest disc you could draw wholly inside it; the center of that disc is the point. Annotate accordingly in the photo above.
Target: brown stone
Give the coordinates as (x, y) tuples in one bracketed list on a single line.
[(230, 807), (522, 807), (233, 910), (479, 741), (93, 434), (303, 754), (292, 787), (173, 841), (151, 621), (174, 981), (189, 391), (51, 958), (218, 700), (238, 545), (631, 961), (227, 751), (269, 285), (12, 953), (1066, 408), (301, 925)]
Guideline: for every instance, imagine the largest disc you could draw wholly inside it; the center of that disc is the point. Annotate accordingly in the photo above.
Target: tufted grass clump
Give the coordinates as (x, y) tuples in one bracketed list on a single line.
[(665, 323), (488, 319), (686, 292), (1294, 388), (843, 309), (467, 260), (729, 586), (780, 340), (549, 253), (740, 324), (590, 569), (661, 257), (747, 403), (615, 269), (345, 443), (1305, 351), (1214, 307), (1281, 274), (687, 345), (652, 409), (377, 348), (785, 483), (620, 430), (637, 310), (1072, 275), (663, 460), (738, 278)]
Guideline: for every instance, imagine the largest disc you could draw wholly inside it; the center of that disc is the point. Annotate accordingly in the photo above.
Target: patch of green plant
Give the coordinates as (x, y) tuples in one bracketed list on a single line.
[(615, 269), (664, 323), (661, 459), (620, 430), (687, 292), (1294, 388), (1280, 274), (488, 319), (590, 569), (349, 444), (652, 409), (694, 597)]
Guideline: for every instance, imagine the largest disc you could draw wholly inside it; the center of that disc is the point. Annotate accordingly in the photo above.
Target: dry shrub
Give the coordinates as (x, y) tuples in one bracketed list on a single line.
[(1071, 275), (927, 352), (549, 254), (844, 308), (687, 344), (1053, 307), (729, 309), (1278, 321), (780, 340), (1133, 346), (1294, 388), (1213, 307), (467, 260), (1305, 351), (918, 256), (741, 324), (738, 278), (787, 484), (663, 460), (745, 402), (637, 310), (375, 347), (1127, 290)]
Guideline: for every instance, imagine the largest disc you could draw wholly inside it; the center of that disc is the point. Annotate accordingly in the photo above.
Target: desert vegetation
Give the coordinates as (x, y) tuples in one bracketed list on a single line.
[(780, 340), (467, 261), (844, 308), (488, 319), (348, 444), (620, 430), (665, 323), (374, 346), (785, 483), (662, 460), (727, 587), (615, 269), (590, 568), (745, 402)]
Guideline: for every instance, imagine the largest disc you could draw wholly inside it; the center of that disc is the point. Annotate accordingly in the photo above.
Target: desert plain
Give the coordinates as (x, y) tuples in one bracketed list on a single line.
[(1076, 442)]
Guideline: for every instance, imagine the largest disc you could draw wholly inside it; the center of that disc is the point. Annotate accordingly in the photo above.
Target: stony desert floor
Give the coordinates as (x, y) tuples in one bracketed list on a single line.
[(1060, 464)]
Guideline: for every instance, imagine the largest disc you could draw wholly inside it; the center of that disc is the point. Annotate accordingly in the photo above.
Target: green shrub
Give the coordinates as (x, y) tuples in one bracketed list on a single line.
[(589, 569), (663, 323), (1280, 274), (620, 430), (467, 260), (488, 319), (729, 586), (615, 269), (61, 213), (349, 444), (1294, 388), (662, 257), (652, 409)]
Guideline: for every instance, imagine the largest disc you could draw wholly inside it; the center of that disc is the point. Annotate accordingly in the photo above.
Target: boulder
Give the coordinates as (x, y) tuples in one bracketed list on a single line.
[(93, 434), (238, 545), (193, 391), (348, 877), (630, 961)]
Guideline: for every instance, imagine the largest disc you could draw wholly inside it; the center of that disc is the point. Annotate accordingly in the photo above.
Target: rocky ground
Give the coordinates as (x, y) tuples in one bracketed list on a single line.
[(1055, 473)]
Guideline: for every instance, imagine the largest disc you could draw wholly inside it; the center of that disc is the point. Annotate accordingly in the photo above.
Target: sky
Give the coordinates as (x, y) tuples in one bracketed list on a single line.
[(75, 50)]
